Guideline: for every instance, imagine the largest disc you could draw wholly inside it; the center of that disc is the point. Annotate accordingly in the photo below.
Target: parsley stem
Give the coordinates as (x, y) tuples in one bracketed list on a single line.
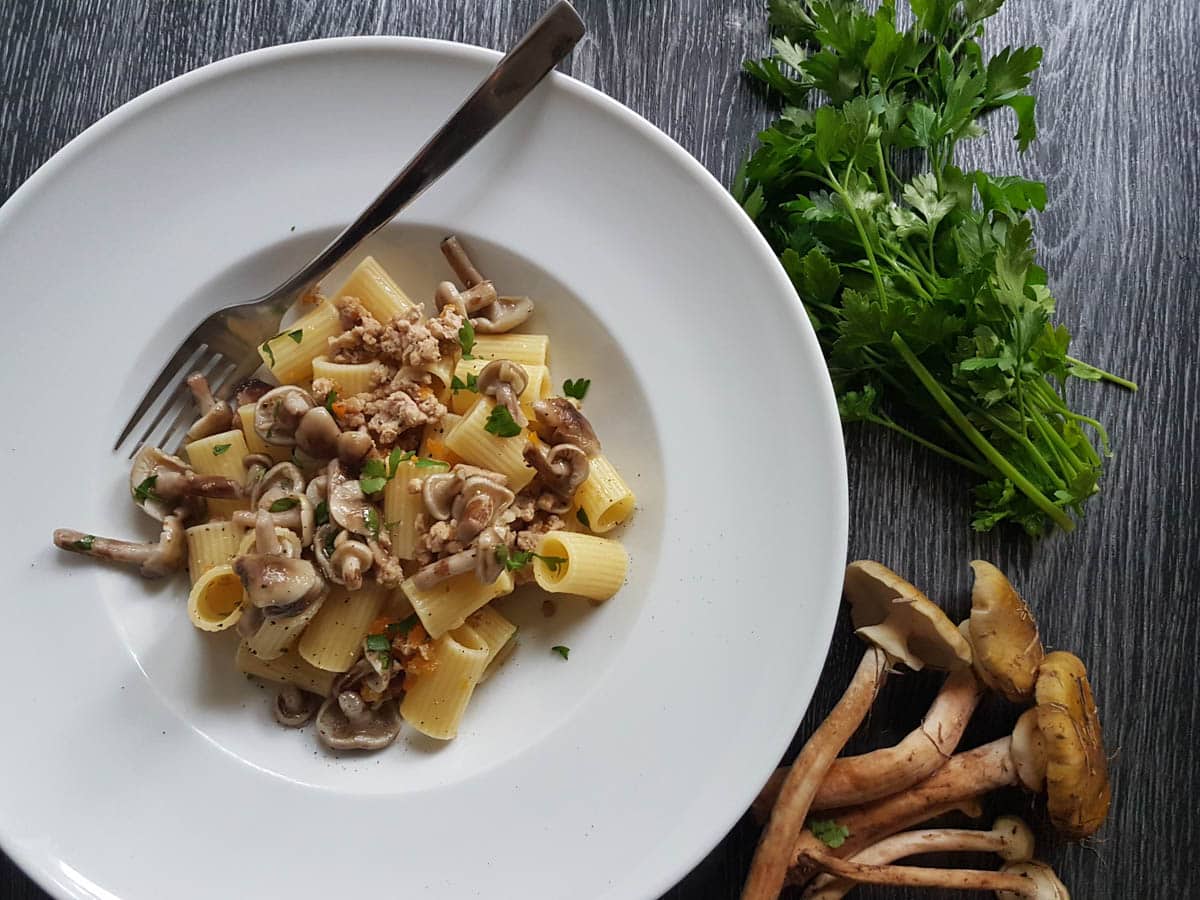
[(1034, 454), (888, 422), (862, 235), (990, 453), (1104, 375), (882, 176)]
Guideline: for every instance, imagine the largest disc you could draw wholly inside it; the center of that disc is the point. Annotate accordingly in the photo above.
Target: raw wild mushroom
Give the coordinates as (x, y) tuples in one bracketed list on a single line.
[(1004, 635), (909, 628), (562, 469), (559, 422), (278, 413), (346, 721), (504, 381), (215, 415), (164, 556)]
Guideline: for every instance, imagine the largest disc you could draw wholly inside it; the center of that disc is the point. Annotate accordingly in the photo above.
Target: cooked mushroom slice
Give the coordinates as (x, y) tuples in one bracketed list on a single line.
[(215, 415), (559, 422), (502, 316), (353, 447), (278, 413), (1004, 635), (346, 721), (350, 559), (155, 560), (294, 707), (318, 433), (457, 257), (504, 381), (478, 503), (348, 506), (438, 491), (249, 391), (445, 568), (562, 469), (1009, 838), (160, 481), (1078, 793), (479, 297), (916, 633)]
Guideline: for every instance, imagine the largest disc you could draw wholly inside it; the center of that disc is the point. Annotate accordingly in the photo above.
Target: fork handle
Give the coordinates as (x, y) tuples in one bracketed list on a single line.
[(546, 44)]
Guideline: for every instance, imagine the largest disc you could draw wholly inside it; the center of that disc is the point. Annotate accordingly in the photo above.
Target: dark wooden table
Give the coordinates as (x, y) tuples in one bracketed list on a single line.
[(1120, 124)]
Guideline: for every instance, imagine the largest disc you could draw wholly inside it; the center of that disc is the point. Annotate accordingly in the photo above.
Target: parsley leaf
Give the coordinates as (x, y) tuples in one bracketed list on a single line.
[(829, 832), (408, 624), (145, 490), (371, 517), (283, 504), (500, 423), (331, 541), (268, 352), (218, 449), (379, 643), (297, 335), (562, 651), (330, 399), (583, 518), (374, 476), (396, 457), (466, 339), (426, 462), (513, 560), (932, 313), (471, 384), (84, 543), (553, 563), (321, 513), (577, 388)]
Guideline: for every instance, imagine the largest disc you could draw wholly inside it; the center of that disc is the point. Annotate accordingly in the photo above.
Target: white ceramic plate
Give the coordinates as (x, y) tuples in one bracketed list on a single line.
[(137, 765)]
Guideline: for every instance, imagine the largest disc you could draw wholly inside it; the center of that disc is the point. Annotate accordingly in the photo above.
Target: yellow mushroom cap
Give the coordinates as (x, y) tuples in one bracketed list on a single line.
[(1004, 636), (893, 615), (1077, 788)]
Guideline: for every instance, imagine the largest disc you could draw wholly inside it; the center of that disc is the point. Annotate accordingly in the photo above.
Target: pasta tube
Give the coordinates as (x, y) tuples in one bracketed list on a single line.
[(371, 286), (446, 605), (276, 634), (495, 631), (209, 545), (401, 507), (526, 349), (435, 703), (289, 355), (536, 388), (604, 497), (255, 444), (471, 441), (582, 564), (287, 668), (334, 639), (215, 602), (348, 378), (221, 454)]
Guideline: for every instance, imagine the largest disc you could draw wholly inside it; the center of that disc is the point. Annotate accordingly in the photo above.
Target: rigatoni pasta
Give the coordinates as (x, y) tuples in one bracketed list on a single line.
[(354, 522)]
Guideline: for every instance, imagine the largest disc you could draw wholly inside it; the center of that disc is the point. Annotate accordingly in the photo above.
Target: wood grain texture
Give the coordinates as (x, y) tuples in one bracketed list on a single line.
[(1120, 121)]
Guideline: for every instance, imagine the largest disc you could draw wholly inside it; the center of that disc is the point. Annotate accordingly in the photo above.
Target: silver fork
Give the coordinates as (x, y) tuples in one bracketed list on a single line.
[(225, 345)]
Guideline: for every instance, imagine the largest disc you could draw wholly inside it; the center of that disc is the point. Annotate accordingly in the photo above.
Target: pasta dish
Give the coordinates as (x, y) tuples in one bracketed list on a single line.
[(354, 521)]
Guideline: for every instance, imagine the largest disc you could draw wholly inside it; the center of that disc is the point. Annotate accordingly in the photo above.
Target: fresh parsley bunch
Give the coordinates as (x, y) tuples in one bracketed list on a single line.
[(933, 315)]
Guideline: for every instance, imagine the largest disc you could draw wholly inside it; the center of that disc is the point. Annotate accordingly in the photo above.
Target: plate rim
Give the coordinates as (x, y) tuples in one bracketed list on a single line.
[(714, 832)]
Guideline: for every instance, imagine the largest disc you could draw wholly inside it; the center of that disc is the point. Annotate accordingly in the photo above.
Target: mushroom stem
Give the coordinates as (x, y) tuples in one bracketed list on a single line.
[(855, 780), (964, 777), (457, 257), (155, 559), (919, 876), (1009, 838), (775, 847)]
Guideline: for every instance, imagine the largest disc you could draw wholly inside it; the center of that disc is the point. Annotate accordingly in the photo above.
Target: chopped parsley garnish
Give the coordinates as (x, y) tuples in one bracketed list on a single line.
[(379, 643), (283, 504), (466, 339), (84, 543), (221, 448), (553, 563), (561, 650), (515, 560), (266, 348), (297, 335), (500, 423), (829, 832), (471, 384), (145, 491), (396, 457), (577, 388), (407, 624), (321, 513), (372, 519), (583, 518), (330, 399), (331, 541), (374, 476), (428, 463)]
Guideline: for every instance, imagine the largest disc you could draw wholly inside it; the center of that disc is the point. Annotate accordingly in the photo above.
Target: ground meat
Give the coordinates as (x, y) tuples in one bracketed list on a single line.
[(529, 531), (391, 414), (360, 338), (406, 341)]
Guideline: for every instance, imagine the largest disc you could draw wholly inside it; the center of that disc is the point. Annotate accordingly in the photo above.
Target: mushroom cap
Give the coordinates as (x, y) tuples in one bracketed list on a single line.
[(893, 615), (559, 422), (348, 506), (353, 447), (249, 391), (487, 565), (1004, 636), (438, 491), (1077, 788), (294, 707), (1044, 884), (281, 585), (498, 372), (323, 545), (480, 500), (1029, 751), (562, 468), (318, 433), (347, 722), (147, 464), (1018, 839), (281, 480), (349, 561), (505, 314), (278, 412)]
